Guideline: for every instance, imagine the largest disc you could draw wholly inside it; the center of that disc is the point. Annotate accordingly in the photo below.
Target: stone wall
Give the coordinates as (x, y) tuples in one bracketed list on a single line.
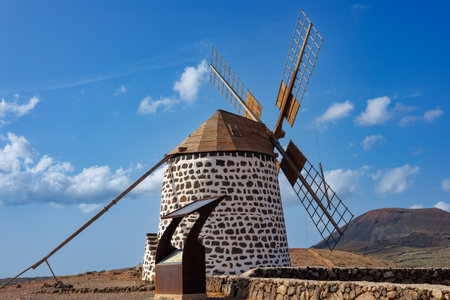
[(247, 229), (151, 244), (439, 276), (246, 287)]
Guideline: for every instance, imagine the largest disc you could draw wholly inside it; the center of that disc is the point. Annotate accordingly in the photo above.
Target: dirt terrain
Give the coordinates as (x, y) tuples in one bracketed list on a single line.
[(90, 285), (126, 283), (335, 258)]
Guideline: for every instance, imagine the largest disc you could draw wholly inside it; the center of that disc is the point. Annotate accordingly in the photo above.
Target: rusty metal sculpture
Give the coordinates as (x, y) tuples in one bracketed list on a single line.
[(180, 273)]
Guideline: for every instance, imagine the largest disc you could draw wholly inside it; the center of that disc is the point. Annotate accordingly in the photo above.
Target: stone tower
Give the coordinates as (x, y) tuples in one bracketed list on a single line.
[(233, 155)]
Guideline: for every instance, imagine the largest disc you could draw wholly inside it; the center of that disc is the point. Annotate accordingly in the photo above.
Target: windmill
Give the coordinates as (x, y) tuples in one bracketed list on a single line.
[(234, 155), (224, 135)]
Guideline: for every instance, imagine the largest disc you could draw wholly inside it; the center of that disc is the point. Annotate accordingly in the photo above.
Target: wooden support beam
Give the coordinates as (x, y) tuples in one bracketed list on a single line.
[(287, 94), (92, 220)]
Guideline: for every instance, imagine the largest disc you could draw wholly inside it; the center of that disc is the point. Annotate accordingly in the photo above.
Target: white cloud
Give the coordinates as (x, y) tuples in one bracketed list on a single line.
[(120, 90), (433, 114), (416, 206), (376, 175), (407, 121), (187, 88), (402, 109), (17, 109), (417, 151), (376, 112), (287, 192), (443, 205), (149, 106), (56, 205), (93, 181), (358, 9), (372, 140), (396, 180), (26, 176), (446, 184), (87, 208), (191, 80), (344, 181), (152, 184), (335, 111)]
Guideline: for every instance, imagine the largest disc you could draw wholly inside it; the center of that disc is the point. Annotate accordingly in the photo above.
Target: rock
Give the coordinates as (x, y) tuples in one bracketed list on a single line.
[(389, 274), (334, 297), (391, 294), (281, 290), (291, 290), (366, 296), (316, 295), (437, 294), (410, 295), (367, 278)]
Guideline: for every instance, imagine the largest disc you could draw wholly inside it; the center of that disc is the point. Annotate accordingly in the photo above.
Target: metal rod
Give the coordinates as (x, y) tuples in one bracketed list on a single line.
[(291, 84), (93, 219), (56, 279), (242, 102)]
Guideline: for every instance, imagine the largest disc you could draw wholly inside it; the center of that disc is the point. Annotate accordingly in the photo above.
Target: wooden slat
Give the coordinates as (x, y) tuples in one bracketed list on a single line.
[(298, 160), (280, 97), (291, 112), (253, 105)]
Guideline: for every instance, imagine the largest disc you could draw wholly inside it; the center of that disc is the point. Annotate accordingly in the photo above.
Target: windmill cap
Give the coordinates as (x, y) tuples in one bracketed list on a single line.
[(225, 131)]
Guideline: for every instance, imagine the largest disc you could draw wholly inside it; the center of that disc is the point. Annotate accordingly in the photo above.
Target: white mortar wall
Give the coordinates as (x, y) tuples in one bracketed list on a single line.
[(247, 229)]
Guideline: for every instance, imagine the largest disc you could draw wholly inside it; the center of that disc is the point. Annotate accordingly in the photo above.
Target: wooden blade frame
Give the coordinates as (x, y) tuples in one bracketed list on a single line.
[(330, 219), (232, 88), (329, 214), (303, 51)]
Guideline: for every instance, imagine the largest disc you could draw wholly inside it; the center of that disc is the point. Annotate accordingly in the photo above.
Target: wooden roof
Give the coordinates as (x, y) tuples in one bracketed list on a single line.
[(225, 131)]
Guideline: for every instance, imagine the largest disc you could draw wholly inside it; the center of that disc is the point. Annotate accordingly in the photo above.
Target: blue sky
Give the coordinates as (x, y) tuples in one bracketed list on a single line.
[(93, 93)]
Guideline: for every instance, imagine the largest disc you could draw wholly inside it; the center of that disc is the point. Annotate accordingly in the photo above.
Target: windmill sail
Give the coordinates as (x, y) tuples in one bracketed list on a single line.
[(303, 51), (329, 214), (232, 88)]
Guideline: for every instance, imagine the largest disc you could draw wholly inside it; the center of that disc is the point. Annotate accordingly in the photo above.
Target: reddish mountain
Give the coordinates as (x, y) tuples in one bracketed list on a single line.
[(393, 232)]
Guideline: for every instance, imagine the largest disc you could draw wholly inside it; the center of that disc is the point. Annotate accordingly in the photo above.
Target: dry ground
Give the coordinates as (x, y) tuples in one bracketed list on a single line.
[(123, 278), (106, 279), (335, 258)]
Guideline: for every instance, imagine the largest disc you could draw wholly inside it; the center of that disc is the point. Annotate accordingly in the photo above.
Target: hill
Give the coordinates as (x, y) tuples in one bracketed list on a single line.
[(325, 258), (408, 237)]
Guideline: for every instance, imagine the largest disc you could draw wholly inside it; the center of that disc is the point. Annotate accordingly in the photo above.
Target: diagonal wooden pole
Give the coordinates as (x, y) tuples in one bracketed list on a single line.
[(93, 219), (287, 93)]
